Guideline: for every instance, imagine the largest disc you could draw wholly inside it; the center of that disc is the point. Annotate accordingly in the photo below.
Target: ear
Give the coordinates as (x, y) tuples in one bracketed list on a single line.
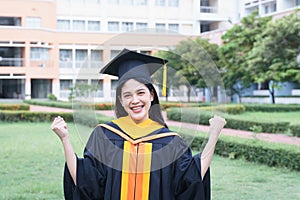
[(151, 96)]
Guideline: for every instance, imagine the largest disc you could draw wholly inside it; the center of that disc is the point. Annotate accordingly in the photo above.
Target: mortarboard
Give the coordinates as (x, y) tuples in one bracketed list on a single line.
[(130, 64)]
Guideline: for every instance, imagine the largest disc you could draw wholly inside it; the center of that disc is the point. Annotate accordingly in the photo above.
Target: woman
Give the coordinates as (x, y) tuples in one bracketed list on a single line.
[(136, 156)]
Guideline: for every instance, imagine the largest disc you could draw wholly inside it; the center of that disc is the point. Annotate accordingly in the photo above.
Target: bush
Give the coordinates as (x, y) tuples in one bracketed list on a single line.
[(226, 108), (14, 107), (295, 130), (16, 116), (69, 105), (271, 107), (52, 97), (270, 154)]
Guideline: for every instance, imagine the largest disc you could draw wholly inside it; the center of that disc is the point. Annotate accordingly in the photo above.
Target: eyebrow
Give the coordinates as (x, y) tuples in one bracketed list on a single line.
[(138, 90)]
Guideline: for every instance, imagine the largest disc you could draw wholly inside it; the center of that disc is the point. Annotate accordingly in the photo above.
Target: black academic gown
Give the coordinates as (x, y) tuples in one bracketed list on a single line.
[(175, 173)]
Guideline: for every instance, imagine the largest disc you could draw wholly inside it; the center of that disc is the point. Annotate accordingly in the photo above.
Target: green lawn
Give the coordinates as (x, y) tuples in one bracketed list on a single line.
[(32, 164), (292, 117)]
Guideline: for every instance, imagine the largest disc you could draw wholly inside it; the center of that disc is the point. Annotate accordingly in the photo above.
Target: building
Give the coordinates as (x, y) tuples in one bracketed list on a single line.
[(48, 45)]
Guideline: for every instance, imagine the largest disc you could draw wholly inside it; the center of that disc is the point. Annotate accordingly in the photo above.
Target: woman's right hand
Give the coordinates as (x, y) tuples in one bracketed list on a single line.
[(59, 126)]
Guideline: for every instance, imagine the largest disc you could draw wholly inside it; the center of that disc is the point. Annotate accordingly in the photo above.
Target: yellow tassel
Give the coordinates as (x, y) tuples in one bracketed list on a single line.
[(164, 84)]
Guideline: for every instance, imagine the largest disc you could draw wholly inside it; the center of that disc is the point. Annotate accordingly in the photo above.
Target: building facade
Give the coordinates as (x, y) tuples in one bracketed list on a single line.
[(46, 46)]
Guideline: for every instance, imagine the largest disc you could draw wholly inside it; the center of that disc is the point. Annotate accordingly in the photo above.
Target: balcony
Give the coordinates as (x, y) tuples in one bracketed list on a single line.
[(11, 62), (209, 13)]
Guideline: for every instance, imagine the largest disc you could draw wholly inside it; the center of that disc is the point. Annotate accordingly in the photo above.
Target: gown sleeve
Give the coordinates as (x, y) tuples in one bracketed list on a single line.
[(90, 178), (189, 184)]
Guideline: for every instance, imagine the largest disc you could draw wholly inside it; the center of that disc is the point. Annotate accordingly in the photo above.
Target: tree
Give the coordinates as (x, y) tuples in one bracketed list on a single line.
[(237, 43), (273, 58), (193, 60)]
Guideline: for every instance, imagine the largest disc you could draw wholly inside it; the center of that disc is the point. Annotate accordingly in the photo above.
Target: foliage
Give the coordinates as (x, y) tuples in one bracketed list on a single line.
[(295, 130), (231, 109), (271, 107), (69, 105), (52, 97), (255, 151), (14, 107), (273, 58), (237, 43), (194, 62)]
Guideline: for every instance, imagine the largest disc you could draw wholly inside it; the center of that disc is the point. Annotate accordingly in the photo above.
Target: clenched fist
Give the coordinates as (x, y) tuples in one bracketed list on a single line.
[(59, 126)]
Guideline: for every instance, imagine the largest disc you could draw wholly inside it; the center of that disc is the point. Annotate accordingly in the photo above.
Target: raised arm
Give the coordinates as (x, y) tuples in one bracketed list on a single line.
[(216, 125), (59, 126)]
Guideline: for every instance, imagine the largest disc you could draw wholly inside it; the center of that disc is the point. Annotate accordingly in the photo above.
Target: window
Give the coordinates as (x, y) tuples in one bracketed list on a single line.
[(126, 2), (113, 26), (81, 55), (78, 1), (38, 53), (92, 1), (114, 53), (65, 58), (96, 58), (78, 25), (140, 2), (297, 2), (98, 86), (140, 25), (10, 21), (65, 84), (63, 24), (160, 26), (93, 25), (33, 22), (160, 2), (127, 26), (174, 3), (113, 1), (174, 27)]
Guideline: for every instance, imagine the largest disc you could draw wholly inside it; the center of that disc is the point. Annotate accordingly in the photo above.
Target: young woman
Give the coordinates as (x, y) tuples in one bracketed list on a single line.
[(136, 156)]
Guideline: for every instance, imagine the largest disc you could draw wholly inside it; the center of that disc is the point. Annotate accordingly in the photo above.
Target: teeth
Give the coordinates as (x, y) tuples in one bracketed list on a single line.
[(136, 108)]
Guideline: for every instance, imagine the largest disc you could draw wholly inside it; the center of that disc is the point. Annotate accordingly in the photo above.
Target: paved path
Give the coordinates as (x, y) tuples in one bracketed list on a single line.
[(278, 138)]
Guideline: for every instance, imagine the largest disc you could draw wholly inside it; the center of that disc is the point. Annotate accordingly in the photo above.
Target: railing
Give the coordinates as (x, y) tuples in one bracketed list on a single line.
[(208, 9), (11, 62), (80, 64)]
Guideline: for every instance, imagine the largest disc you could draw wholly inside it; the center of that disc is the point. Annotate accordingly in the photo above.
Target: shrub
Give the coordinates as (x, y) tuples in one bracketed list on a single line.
[(52, 97), (231, 109), (14, 107), (270, 154), (271, 107), (295, 130)]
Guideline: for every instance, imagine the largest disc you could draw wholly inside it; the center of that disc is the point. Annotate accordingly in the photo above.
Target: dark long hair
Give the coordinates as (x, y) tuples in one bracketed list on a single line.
[(155, 112)]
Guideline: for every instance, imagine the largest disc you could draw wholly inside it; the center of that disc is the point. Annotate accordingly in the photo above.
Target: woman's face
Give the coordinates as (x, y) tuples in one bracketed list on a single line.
[(136, 100)]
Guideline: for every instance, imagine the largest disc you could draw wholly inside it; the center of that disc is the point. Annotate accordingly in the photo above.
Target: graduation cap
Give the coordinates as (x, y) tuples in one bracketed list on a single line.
[(130, 64)]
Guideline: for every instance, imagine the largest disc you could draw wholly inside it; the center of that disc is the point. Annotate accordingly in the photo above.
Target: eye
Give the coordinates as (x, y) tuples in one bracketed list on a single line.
[(127, 96), (140, 93)]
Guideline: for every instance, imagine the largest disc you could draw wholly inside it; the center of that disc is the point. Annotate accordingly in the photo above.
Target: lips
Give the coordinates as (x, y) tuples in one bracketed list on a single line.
[(136, 109)]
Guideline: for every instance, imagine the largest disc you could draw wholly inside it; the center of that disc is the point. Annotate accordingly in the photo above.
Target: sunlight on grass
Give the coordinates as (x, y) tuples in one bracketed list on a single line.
[(32, 162)]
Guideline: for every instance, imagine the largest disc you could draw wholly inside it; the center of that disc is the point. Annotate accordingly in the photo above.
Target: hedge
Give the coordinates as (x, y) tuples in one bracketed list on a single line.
[(69, 105), (16, 116), (14, 107), (190, 116), (226, 108), (272, 107), (295, 130), (270, 154)]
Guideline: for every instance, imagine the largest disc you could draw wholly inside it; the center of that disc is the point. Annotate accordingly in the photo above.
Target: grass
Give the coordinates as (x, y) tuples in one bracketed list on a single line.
[(32, 162), (292, 117)]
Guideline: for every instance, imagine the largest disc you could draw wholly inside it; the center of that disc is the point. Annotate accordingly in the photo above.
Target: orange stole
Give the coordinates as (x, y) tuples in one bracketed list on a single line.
[(136, 171)]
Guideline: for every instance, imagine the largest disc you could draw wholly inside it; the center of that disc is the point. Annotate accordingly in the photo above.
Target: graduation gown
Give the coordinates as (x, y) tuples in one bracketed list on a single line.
[(158, 166)]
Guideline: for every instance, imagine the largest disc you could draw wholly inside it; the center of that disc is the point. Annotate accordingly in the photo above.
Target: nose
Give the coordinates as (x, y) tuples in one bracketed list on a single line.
[(135, 99)]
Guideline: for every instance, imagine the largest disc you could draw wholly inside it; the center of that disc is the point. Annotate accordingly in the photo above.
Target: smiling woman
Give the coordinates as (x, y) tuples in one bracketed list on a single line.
[(136, 156)]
